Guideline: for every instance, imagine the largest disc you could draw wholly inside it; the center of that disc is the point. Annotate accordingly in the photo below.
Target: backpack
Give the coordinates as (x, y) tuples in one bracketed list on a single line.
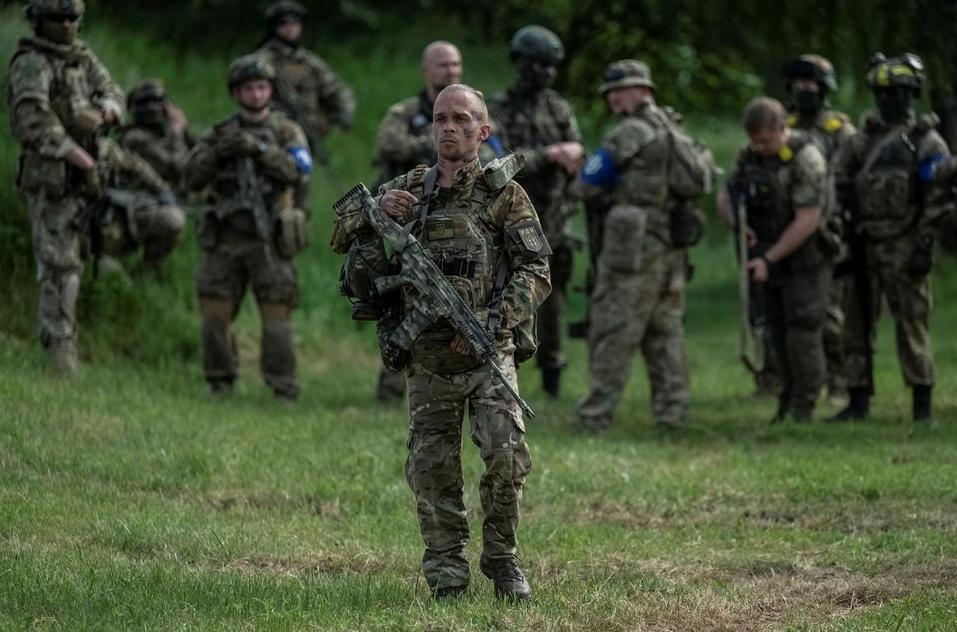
[(690, 167)]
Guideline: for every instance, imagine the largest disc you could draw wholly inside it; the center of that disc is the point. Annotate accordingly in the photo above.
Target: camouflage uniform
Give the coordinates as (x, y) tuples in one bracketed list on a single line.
[(234, 255), (896, 214), (51, 86), (638, 300), (472, 228), (795, 295), (151, 137)]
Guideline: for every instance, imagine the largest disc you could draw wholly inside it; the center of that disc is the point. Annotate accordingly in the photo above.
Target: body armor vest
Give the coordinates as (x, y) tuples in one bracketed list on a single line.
[(644, 176), (886, 184), (301, 79)]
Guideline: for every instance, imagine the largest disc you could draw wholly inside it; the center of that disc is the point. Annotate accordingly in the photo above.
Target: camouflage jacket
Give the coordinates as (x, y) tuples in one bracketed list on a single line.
[(164, 150), (308, 90), (775, 188), (882, 164), (527, 125), (48, 85), (404, 139), (830, 130), (276, 169)]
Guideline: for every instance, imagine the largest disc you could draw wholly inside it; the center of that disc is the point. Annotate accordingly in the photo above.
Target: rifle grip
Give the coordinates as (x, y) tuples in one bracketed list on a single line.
[(385, 285)]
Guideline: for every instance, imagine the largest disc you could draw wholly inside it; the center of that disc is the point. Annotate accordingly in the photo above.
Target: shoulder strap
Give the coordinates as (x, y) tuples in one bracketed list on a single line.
[(430, 177)]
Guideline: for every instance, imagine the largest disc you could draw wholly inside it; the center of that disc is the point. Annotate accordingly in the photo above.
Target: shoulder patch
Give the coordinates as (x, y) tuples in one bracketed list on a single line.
[(833, 124), (528, 235), (786, 154)]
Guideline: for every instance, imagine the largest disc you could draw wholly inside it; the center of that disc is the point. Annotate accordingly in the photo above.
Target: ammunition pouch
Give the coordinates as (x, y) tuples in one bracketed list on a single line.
[(686, 225), (292, 232)]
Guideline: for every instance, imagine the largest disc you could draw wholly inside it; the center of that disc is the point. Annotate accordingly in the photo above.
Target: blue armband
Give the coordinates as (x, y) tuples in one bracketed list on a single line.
[(303, 159), (495, 143), (600, 170), (928, 167)]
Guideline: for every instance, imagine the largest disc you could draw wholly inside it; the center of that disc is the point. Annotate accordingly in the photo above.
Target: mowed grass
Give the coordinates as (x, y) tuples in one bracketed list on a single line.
[(130, 500)]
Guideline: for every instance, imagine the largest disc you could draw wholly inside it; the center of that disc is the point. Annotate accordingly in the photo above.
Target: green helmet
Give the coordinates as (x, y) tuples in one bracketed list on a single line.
[(248, 68), (626, 73), (906, 70), (38, 8), (812, 67), (281, 9), (537, 43), (146, 90)]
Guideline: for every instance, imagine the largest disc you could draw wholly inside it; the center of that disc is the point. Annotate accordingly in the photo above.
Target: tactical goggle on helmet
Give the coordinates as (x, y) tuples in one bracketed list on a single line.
[(906, 70), (249, 68), (55, 10)]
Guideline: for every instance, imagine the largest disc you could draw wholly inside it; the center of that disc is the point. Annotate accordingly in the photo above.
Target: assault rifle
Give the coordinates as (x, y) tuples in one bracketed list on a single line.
[(250, 189), (438, 299), (753, 321)]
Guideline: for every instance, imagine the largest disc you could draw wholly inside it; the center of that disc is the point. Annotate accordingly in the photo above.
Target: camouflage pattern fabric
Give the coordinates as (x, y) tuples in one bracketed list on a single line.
[(892, 221), (528, 124), (165, 151), (235, 256), (444, 384), (795, 296), (638, 300), (50, 86), (404, 139), (830, 130)]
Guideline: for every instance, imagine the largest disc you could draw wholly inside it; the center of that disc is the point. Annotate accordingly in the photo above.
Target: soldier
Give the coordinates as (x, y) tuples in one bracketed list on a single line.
[(251, 163), (638, 300), (307, 89), (886, 178), (60, 98), (158, 132), (405, 140), (482, 231), (783, 176), (809, 80), (538, 123)]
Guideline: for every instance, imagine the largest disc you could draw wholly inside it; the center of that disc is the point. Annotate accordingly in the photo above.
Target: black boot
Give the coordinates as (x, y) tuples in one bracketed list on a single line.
[(859, 407), (551, 380), (922, 414), (508, 578)]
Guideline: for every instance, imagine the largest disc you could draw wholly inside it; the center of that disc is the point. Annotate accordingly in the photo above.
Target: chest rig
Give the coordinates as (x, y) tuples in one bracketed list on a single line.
[(765, 183), (299, 75), (232, 197), (70, 90), (887, 186)]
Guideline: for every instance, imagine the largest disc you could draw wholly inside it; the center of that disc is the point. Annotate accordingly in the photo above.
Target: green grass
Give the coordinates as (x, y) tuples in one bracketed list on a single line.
[(130, 500)]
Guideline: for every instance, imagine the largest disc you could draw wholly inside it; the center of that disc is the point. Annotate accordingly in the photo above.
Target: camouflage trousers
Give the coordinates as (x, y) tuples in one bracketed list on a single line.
[(834, 336), (222, 277), (549, 316), (156, 228), (437, 403), (57, 248), (796, 305), (910, 301), (632, 311)]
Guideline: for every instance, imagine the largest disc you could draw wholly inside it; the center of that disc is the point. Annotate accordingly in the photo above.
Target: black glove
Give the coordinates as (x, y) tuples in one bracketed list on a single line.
[(922, 258)]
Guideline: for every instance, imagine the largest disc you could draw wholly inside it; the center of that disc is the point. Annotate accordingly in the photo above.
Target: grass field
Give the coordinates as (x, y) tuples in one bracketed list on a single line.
[(130, 500)]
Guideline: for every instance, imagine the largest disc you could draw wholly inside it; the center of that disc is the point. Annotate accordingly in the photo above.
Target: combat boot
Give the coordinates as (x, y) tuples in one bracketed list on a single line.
[(551, 382), (922, 400), (508, 578), (62, 351), (448, 593), (220, 389), (858, 409)]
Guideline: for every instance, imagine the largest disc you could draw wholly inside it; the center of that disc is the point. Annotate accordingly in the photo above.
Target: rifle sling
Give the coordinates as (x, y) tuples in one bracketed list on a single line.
[(429, 184)]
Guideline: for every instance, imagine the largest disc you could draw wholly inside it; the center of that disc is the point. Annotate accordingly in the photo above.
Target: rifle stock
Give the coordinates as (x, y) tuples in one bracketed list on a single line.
[(438, 299)]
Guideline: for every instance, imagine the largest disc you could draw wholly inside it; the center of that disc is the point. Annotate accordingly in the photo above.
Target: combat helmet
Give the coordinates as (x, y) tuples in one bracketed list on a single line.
[(248, 68), (626, 73), (279, 10), (537, 43), (36, 9), (813, 67), (906, 70), (146, 90)]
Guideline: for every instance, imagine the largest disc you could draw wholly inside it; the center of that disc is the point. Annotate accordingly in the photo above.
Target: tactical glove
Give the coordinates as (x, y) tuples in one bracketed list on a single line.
[(87, 122), (238, 145), (922, 258)]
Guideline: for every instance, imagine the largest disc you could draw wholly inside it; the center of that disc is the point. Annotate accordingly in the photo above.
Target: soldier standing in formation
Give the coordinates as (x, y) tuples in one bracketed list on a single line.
[(251, 164), (810, 79), (638, 301), (474, 224), (885, 178), (158, 132), (61, 99), (306, 88), (405, 140), (539, 124), (783, 177)]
